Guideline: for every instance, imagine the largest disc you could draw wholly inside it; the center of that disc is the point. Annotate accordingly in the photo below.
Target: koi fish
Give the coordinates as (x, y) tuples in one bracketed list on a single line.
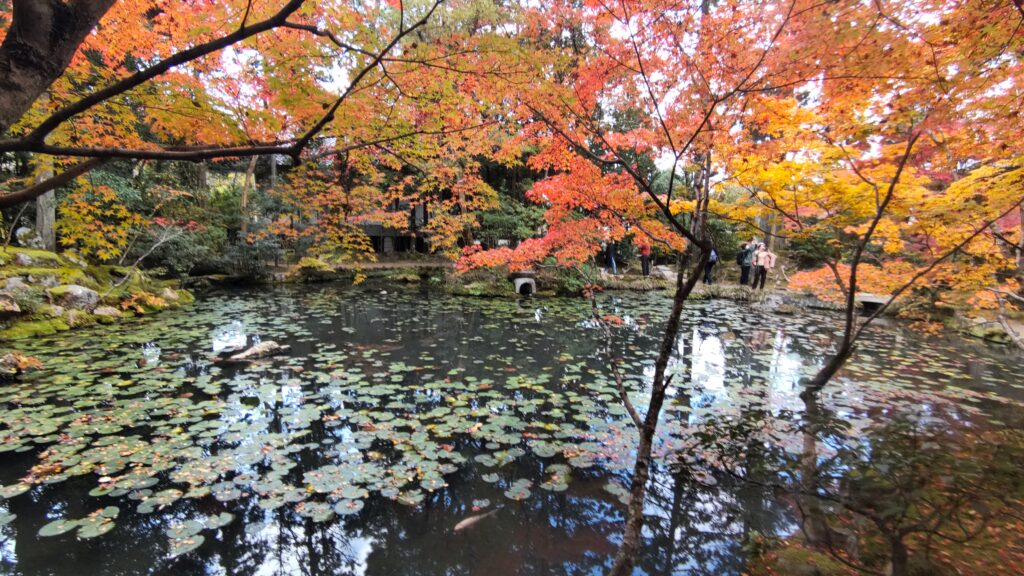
[(467, 522)]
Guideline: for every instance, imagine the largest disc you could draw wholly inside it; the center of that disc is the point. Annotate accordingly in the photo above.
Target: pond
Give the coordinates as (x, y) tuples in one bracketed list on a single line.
[(399, 413)]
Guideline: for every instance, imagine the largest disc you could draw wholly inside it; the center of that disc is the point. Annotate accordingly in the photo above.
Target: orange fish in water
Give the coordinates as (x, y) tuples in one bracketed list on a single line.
[(467, 522)]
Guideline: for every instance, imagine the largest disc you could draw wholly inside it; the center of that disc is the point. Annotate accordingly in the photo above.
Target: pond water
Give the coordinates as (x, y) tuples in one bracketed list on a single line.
[(398, 413)]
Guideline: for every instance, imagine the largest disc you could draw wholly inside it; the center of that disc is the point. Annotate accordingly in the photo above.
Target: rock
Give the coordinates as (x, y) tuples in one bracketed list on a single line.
[(47, 281), (75, 318), (787, 309), (871, 302), (74, 296), (74, 259), (261, 350), (169, 294), (664, 272), (8, 306), (990, 331), (28, 238), (23, 260), (12, 364), (33, 328), (107, 312), (15, 284), (54, 311)]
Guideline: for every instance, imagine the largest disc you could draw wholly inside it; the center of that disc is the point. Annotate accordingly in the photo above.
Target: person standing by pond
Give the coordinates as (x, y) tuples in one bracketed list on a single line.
[(709, 267), (745, 258), (610, 257), (645, 259), (764, 260)]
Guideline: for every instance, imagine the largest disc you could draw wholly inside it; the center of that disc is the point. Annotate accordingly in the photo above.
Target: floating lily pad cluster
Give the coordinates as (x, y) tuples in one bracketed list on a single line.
[(96, 524)]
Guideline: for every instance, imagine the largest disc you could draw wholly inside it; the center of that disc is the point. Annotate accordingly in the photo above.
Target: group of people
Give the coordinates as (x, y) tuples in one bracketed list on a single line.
[(752, 257), (757, 258), (610, 248)]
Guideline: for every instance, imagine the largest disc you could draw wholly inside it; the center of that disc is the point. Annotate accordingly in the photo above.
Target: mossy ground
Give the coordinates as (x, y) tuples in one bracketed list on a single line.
[(33, 328), (47, 277)]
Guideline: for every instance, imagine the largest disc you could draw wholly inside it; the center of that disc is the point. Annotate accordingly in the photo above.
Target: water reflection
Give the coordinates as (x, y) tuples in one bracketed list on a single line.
[(230, 337), (738, 364)]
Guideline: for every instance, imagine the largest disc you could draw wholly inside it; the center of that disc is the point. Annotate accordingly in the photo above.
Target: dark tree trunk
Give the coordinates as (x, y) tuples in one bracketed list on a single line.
[(815, 527), (625, 559), (42, 38), (899, 556), (250, 180), (827, 371), (1020, 251), (46, 207)]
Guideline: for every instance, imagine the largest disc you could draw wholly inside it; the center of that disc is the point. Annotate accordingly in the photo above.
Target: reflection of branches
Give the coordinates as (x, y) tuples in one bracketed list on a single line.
[(613, 362)]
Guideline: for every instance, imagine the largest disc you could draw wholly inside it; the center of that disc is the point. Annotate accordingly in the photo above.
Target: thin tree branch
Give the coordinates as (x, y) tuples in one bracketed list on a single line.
[(44, 186), (38, 135)]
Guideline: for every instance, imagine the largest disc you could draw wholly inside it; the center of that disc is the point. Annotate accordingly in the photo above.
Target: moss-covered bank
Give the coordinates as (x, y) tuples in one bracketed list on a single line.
[(43, 292)]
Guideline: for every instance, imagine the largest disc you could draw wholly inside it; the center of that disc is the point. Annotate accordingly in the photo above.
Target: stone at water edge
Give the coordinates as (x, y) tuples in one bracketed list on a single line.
[(107, 312), (169, 294), (261, 350), (74, 296)]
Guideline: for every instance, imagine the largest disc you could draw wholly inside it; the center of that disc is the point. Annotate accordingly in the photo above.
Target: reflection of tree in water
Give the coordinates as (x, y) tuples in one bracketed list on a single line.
[(872, 493), (749, 362), (698, 529)]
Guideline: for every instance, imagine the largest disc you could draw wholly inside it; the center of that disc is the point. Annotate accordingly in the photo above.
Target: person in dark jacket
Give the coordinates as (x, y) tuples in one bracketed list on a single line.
[(745, 258), (610, 257), (709, 267)]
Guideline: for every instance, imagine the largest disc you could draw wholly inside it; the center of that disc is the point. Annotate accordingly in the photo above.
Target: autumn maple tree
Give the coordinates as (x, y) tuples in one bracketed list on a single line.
[(836, 118), (658, 81), (885, 134), (194, 81), (884, 165)]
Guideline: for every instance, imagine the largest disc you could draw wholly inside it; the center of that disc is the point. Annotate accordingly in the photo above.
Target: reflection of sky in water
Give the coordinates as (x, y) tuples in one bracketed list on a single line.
[(229, 337), (727, 358)]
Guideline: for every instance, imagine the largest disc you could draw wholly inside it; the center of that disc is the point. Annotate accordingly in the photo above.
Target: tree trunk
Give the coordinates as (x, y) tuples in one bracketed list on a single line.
[(814, 526), (899, 556), (204, 176), (828, 370), (625, 558), (46, 203), (42, 38), (467, 229), (46, 217), (46, 208), (249, 178), (1020, 252)]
